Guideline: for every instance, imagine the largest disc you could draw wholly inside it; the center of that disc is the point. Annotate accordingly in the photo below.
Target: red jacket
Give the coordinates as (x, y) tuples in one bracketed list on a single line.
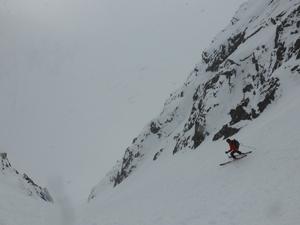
[(232, 147)]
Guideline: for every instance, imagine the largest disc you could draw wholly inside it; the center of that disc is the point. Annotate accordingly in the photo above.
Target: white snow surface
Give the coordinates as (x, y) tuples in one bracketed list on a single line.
[(217, 86), (23, 202), (16, 208), (192, 189), (79, 78), (189, 187)]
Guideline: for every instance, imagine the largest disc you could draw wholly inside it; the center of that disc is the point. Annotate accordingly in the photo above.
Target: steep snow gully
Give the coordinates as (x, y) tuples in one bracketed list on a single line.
[(246, 86)]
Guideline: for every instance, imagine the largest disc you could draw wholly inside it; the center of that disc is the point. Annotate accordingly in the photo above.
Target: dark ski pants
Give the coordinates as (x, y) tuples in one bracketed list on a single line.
[(237, 151)]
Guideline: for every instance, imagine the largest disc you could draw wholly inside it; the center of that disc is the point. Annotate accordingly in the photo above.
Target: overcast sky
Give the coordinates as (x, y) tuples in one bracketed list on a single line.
[(79, 79)]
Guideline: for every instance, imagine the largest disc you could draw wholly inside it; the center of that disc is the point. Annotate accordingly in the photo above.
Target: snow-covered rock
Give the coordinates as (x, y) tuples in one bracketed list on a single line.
[(23, 202), (240, 75), (11, 177), (191, 188)]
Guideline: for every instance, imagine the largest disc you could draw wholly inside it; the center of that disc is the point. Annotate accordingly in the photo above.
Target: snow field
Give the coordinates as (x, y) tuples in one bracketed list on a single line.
[(190, 188)]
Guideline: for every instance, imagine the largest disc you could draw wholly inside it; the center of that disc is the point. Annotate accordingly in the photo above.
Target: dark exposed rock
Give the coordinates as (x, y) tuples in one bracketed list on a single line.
[(137, 155), (255, 62), (229, 73), (28, 179), (279, 30), (234, 20), (3, 155), (247, 88), (254, 114), (295, 68), (205, 57), (225, 132), (154, 128), (211, 83), (280, 15), (231, 62), (157, 154), (279, 55), (181, 143), (273, 21), (255, 32), (297, 48), (220, 55), (125, 168), (270, 94), (42, 192), (196, 94), (292, 20), (199, 135), (4, 161), (239, 113), (134, 140)]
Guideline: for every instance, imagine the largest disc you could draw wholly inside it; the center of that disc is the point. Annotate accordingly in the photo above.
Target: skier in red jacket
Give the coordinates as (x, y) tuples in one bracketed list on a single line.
[(233, 148)]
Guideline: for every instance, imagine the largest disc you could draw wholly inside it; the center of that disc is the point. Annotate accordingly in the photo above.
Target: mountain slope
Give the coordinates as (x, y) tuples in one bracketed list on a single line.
[(21, 182), (192, 189), (245, 85), (22, 201), (239, 76)]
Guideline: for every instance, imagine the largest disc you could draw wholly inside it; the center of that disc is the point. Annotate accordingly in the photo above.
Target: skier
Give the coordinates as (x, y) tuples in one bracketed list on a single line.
[(233, 148)]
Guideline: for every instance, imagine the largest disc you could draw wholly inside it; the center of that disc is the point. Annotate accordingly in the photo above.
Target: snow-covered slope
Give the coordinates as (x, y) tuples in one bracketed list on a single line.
[(245, 85), (12, 178), (239, 76), (22, 201), (192, 189)]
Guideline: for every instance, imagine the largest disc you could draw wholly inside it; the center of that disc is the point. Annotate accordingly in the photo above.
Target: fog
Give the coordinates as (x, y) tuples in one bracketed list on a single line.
[(79, 79)]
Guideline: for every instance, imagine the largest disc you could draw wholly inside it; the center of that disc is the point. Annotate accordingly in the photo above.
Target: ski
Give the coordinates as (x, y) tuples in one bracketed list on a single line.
[(230, 161), (242, 154)]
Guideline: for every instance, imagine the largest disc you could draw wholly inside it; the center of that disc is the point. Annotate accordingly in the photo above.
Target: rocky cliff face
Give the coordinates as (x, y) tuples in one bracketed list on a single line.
[(22, 182), (238, 78)]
